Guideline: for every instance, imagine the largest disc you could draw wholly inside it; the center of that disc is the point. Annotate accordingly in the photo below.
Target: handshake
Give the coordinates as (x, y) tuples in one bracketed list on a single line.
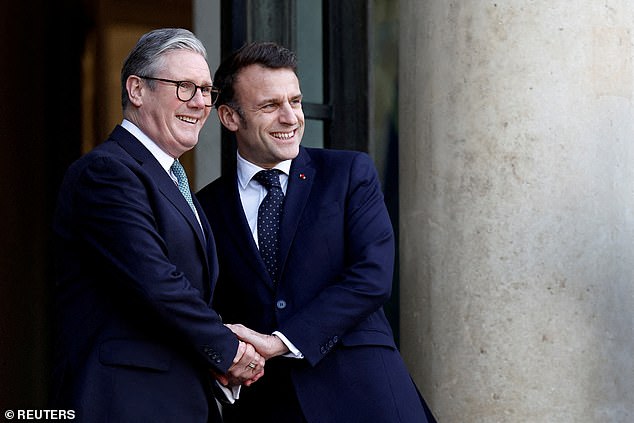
[(253, 350)]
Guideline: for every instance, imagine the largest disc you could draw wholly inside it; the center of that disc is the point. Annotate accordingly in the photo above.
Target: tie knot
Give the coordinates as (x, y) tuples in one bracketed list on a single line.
[(178, 170), (269, 178)]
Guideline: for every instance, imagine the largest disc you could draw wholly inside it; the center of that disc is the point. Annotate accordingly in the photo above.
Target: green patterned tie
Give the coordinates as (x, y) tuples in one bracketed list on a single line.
[(183, 184)]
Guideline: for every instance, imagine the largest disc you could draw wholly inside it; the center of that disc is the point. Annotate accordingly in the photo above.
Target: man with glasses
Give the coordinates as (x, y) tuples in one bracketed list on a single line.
[(136, 338), (306, 253)]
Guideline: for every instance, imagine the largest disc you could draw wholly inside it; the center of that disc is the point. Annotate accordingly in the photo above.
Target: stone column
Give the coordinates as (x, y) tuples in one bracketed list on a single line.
[(517, 208)]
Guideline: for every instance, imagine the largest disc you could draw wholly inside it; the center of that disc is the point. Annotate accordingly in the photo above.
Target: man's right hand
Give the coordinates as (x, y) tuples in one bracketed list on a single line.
[(247, 368)]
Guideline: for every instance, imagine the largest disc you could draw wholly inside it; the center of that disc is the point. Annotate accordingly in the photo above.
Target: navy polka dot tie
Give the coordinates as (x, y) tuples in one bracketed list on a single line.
[(269, 215), (183, 183)]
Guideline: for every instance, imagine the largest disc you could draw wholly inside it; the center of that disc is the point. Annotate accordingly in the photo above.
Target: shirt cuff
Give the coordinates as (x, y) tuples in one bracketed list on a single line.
[(232, 393), (294, 352)]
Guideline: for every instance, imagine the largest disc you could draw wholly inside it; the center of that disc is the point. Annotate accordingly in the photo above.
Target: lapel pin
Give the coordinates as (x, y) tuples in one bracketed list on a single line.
[(302, 176)]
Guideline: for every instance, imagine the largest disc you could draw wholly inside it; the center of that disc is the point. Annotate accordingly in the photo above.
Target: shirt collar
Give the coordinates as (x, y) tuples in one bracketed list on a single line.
[(246, 169), (163, 158)]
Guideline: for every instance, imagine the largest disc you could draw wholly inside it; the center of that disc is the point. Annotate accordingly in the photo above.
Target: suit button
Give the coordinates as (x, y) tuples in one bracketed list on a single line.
[(281, 304)]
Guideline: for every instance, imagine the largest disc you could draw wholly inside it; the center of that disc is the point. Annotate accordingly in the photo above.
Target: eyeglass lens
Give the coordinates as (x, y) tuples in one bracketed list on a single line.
[(187, 90)]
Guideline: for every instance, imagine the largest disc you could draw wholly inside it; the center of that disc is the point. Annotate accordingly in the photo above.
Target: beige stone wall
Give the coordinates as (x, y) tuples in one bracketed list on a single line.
[(517, 208)]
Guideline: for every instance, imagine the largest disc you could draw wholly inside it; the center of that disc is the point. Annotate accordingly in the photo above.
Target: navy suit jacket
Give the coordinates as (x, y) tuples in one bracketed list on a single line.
[(337, 254), (136, 336)]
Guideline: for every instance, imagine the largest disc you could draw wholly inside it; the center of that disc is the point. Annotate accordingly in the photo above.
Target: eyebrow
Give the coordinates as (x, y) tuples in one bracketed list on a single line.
[(277, 100), (206, 82)]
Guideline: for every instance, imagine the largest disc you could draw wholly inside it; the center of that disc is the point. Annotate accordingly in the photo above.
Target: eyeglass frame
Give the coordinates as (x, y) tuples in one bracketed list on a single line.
[(212, 89)]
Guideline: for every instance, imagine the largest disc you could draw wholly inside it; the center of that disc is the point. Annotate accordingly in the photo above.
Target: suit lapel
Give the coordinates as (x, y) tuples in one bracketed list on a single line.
[(165, 184), (300, 183), (210, 248), (171, 192), (237, 228)]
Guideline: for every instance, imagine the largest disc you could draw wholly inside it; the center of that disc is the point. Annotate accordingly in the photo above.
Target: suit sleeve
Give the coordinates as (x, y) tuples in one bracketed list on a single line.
[(118, 221), (364, 284)]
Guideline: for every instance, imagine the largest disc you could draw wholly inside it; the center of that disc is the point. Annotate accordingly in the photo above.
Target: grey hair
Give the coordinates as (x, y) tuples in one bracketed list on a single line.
[(146, 58)]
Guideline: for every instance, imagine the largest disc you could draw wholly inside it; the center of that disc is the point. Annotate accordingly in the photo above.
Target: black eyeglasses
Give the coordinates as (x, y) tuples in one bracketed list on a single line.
[(186, 90)]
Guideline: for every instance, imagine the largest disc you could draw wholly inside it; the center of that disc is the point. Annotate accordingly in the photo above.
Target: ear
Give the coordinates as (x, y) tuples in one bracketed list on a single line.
[(135, 90), (229, 117)]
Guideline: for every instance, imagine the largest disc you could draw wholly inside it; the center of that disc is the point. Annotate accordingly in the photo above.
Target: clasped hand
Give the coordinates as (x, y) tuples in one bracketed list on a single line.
[(254, 348), (268, 346), (247, 367)]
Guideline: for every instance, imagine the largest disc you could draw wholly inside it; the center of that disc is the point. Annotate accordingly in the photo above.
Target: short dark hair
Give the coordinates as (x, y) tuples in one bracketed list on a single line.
[(266, 54)]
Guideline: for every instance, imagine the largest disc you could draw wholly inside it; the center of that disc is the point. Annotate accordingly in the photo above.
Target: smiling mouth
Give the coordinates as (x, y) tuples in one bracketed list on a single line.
[(187, 119), (283, 135)]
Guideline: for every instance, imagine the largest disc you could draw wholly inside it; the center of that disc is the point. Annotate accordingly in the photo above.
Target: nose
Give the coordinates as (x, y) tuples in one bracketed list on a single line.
[(197, 100), (288, 114)]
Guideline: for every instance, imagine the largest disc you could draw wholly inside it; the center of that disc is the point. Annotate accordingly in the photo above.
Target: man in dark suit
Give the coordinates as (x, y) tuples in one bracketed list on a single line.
[(137, 340), (306, 252)]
